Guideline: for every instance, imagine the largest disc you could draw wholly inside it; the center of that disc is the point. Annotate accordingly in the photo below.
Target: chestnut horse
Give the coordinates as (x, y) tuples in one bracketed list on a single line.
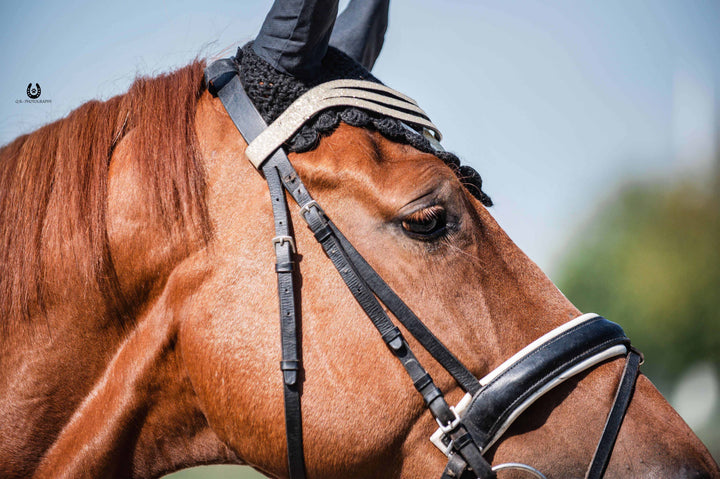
[(138, 308)]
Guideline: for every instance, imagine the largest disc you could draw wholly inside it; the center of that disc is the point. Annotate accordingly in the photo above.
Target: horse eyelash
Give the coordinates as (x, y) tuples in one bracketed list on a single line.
[(425, 214)]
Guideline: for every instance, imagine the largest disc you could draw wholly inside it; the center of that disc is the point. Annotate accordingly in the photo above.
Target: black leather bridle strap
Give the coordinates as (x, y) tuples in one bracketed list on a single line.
[(222, 75), (320, 225), (289, 334), (222, 79), (455, 468), (325, 233), (623, 395), (412, 323), (464, 445)]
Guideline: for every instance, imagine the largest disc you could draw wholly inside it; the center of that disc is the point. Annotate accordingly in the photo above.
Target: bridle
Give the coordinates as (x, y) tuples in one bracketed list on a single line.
[(492, 403)]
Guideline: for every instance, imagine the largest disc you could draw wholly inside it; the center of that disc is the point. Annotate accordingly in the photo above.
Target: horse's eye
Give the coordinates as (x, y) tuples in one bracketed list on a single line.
[(426, 224)]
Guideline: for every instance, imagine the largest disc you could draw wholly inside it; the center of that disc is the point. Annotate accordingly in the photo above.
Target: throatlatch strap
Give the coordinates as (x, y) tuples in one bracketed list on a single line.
[(290, 363), (624, 393), (222, 78)]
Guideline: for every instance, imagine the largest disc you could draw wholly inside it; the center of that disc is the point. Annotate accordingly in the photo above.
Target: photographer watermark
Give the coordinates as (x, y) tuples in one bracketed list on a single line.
[(33, 92)]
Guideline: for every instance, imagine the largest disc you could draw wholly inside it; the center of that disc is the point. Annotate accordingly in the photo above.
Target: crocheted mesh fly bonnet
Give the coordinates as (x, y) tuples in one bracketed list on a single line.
[(272, 92)]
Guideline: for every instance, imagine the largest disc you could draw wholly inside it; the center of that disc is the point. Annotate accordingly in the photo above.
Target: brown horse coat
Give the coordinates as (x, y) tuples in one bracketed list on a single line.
[(139, 311)]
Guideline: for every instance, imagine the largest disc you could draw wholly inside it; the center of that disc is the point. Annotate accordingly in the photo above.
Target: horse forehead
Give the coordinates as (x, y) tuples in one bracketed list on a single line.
[(359, 150)]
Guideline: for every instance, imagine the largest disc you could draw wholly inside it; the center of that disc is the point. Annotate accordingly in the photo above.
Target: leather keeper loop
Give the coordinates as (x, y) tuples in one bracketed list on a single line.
[(284, 267), (422, 382), (290, 377), (393, 338), (432, 395), (218, 74), (290, 365), (462, 441), (323, 233), (441, 411), (396, 344), (290, 370)]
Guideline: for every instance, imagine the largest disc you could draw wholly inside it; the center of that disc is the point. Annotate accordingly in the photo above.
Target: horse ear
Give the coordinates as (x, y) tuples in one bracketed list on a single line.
[(360, 30), (294, 36)]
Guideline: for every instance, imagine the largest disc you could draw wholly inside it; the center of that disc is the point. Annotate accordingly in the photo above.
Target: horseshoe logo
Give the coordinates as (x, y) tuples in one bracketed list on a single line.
[(33, 92)]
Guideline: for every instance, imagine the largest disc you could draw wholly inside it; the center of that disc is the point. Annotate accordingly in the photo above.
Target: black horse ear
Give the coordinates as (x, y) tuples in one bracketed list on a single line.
[(294, 36), (360, 30)]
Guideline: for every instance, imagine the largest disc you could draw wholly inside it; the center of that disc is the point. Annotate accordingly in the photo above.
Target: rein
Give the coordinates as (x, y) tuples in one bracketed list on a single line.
[(491, 404)]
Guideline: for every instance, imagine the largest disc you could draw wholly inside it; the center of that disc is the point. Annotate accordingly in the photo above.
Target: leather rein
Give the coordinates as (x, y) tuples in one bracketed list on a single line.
[(492, 403)]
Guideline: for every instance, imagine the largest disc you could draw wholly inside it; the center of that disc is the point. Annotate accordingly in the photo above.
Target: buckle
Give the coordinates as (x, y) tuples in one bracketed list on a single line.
[(439, 437), (310, 204), (279, 240), (453, 424)]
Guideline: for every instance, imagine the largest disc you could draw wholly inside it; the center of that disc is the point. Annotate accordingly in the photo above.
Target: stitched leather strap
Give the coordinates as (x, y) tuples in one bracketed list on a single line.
[(465, 446), (325, 233), (412, 323), (223, 80), (322, 227), (290, 363), (455, 467), (624, 393)]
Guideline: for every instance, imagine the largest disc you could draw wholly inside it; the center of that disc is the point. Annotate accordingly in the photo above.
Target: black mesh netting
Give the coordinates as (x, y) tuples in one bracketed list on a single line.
[(272, 92)]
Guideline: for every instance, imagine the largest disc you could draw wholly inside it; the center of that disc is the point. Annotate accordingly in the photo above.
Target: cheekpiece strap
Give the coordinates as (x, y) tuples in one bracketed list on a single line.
[(266, 153), (222, 80)]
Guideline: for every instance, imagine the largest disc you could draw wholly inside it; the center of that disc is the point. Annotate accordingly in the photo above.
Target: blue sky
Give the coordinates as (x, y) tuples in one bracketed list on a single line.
[(554, 103)]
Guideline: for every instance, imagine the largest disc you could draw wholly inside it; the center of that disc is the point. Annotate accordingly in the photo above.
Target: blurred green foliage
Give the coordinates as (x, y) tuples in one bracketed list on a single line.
[(649, 260)]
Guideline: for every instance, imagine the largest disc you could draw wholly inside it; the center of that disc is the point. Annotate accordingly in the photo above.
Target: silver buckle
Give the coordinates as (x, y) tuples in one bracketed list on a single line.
[(453, 424), (441, 433), (308, 205), (437, 439), (282, 239)]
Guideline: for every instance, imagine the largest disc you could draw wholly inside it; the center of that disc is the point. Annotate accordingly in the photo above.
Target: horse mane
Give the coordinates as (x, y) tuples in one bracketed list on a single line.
[(67, 163)]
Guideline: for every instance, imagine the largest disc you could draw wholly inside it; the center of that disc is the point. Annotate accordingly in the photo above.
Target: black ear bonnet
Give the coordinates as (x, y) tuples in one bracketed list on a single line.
[(272, 92)]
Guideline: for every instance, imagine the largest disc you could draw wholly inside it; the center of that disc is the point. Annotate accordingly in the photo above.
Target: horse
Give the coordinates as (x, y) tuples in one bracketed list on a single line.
[(139, 308)]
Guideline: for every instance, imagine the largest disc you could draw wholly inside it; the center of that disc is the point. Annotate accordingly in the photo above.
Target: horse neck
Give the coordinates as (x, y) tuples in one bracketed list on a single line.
[(110, 384)]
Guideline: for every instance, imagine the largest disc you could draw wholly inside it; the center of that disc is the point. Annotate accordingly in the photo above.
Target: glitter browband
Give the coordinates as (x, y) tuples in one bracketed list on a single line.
[(273, 92)]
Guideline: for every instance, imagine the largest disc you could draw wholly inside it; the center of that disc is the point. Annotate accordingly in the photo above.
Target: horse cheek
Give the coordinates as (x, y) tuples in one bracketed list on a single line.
[(233, 374)]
